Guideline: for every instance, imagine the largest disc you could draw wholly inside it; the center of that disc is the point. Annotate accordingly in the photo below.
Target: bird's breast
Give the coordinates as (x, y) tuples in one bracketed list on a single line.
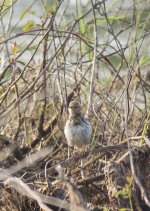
[(78, 134)]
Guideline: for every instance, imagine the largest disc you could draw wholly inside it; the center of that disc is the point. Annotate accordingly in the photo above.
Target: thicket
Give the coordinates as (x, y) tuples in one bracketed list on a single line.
[(52, 52)]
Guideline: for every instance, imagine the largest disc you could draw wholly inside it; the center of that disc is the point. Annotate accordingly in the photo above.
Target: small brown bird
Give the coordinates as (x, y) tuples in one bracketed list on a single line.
[(78, 129)]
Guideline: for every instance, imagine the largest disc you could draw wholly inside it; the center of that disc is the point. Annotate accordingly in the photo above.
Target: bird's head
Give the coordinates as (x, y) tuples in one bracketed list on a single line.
[(74, 108)]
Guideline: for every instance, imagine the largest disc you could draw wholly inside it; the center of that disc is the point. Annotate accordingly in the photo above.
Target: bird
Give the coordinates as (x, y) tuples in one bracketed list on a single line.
[(77, 130)]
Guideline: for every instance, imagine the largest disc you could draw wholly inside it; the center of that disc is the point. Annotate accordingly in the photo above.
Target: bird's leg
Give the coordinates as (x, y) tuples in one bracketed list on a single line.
[(68, 168), (82, 172), (81, 165), (74, 149), (68, 152)]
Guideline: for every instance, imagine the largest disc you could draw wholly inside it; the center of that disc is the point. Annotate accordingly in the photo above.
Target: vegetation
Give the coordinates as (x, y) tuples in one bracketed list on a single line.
[(53, 52)]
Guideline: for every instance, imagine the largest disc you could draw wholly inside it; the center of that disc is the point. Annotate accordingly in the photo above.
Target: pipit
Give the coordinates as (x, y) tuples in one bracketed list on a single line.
[(78, 129)]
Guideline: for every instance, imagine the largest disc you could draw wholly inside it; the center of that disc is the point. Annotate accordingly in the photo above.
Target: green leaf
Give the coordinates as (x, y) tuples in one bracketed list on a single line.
[(145, 128), (5, 5), (23, 14), (115, 17), (81, 22), (31, 11), (51, 7), (14, 48), (82, 26), (29, 25), (90, 55), (145, 60)]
